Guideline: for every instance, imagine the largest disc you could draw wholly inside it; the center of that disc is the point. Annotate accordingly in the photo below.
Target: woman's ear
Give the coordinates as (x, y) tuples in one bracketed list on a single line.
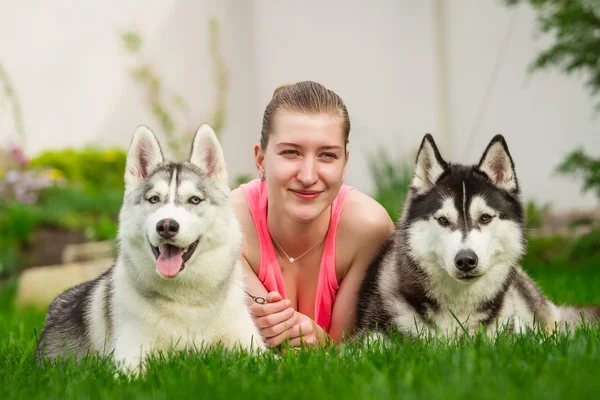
[(259, 157)]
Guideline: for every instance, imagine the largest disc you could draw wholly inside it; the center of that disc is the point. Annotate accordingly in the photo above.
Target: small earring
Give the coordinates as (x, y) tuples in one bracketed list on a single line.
[(262, 176)]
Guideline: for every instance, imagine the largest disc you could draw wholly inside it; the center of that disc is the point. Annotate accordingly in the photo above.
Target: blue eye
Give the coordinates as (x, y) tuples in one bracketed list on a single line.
[(154, 199), (195, 200)]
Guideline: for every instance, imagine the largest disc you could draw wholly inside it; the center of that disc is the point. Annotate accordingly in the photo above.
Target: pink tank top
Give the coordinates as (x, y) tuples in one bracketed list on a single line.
[(270, 271)]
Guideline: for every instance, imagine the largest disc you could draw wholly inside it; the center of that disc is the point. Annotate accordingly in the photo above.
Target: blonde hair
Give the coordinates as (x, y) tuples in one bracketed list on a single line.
[(306, 97)]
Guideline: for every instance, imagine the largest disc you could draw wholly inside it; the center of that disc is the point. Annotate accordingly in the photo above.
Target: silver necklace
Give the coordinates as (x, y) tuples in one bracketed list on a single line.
[(293, 259)]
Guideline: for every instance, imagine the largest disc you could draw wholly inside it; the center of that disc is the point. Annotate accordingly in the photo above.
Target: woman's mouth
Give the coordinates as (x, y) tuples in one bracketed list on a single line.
[(306, 194)]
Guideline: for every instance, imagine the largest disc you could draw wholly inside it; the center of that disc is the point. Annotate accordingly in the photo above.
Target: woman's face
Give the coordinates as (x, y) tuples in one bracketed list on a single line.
[(304, 163)]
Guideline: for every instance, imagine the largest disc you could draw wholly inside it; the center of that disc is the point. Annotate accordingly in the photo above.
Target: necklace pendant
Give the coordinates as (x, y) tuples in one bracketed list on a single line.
[(292, 259)]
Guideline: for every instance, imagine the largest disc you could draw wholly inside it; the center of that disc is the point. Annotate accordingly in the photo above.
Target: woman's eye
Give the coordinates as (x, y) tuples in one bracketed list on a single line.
[(195, 200), (485, 219), (154, 199), (329, 155), (443, 221), (289, 152)]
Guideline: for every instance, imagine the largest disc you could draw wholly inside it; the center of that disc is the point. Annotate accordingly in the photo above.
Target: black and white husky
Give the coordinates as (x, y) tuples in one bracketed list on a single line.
[(452, 265), (177, 281)]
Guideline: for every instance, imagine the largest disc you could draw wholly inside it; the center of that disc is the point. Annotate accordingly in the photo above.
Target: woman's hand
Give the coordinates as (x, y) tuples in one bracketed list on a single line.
[(274, 318), (279, 322), (306, 332)]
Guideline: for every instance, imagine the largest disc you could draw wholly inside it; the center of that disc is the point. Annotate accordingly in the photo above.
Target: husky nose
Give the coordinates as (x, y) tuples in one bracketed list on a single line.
[(465, 260), (167, 228)]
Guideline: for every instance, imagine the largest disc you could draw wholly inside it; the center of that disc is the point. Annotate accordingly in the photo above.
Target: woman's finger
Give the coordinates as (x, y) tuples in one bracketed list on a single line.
[(270, 320), (280, 328), (260, 310)]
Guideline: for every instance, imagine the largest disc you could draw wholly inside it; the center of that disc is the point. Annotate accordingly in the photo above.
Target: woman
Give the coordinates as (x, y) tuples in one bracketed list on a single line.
[(308, 237)]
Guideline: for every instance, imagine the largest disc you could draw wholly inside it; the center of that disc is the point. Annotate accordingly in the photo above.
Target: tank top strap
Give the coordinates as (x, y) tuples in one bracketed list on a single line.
[(269, 272)]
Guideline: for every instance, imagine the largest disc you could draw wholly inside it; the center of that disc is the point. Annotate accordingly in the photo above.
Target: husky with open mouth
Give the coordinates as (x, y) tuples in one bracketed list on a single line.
[(177, 282)]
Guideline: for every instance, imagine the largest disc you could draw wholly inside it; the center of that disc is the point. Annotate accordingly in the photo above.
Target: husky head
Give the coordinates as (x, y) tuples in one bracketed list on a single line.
[(465, 221), (174, 212)]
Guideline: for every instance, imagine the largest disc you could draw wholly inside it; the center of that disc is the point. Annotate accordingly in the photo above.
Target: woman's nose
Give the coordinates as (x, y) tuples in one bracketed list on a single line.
[(308, 172)]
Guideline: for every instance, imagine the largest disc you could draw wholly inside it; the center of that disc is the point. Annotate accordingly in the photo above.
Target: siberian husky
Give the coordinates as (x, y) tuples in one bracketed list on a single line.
[(452, 265), (177, 281)]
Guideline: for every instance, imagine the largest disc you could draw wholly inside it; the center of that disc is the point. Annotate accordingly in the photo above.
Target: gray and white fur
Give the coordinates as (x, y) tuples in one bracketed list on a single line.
[(177, 282), (453, 263)]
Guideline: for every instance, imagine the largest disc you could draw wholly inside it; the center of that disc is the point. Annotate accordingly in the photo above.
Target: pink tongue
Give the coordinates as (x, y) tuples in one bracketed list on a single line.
[(170, 260)]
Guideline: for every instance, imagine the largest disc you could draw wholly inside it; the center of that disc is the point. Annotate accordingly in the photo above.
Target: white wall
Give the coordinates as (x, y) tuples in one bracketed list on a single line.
[(543, 116), (403, 67), (179, 53), (66, 64)]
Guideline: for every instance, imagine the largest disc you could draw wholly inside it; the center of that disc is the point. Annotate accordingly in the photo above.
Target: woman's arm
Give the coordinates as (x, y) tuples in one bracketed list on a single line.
[(276, 317), (369, 224), (273, 319)]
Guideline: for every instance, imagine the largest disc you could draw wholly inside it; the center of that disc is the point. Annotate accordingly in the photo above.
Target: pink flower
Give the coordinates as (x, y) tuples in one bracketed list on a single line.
[(18, 155)]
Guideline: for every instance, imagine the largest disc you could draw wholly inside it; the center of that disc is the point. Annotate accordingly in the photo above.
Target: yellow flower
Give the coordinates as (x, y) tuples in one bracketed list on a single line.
[(109, 156), (53, 174)]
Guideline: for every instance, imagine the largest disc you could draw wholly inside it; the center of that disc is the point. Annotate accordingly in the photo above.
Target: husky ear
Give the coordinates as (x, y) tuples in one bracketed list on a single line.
[(429, 166), (143, 156), (498, 165), (208, 155)]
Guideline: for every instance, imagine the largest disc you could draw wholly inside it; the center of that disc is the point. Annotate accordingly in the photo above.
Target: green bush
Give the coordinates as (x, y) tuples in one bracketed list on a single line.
[(535, 215), (91, 168), (391, 180), (74, 207), (585, 247), (65, 209), (545, 249), (79, 191), (559, 249)]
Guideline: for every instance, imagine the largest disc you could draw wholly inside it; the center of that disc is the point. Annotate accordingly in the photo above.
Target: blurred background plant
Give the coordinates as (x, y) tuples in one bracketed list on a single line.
[(55, 199), (391, 179), (574, 48), (165, 105), (10, 97)]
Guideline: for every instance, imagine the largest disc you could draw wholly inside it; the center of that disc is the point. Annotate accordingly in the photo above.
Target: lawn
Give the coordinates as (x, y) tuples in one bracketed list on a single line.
[(531, 366)]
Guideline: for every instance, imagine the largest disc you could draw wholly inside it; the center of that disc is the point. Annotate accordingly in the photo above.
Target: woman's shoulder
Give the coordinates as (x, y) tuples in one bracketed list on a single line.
[(362, 210), (365, 218)]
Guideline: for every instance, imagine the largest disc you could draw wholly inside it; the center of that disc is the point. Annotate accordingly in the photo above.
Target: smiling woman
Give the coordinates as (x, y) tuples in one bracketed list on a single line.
[(299, 215)]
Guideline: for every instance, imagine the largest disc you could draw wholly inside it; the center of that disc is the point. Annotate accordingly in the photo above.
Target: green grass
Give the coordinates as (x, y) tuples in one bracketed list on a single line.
[(539, 366)]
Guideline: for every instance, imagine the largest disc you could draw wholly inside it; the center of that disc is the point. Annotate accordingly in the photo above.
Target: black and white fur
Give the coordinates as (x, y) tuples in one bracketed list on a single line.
[(452, 264), (133, 310)]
